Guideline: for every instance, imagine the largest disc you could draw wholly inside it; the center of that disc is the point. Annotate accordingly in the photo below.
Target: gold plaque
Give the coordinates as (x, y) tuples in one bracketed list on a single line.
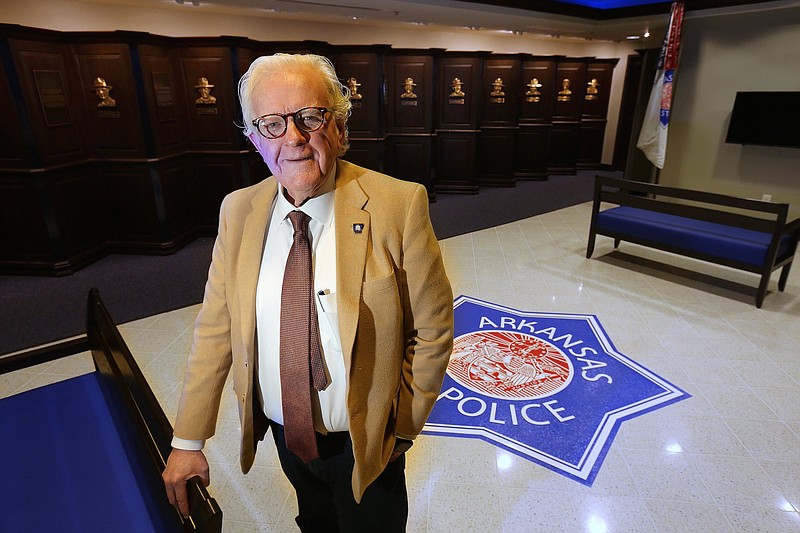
[(565, 94), (204, 88), (408, 88), (456, 97), (532, 94), (591, 90), (497, 96), (353, 85), (103, 90), (455, 85)]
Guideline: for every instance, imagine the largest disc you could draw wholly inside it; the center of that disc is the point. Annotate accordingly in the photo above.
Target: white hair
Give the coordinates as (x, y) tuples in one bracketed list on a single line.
[(338, 94)]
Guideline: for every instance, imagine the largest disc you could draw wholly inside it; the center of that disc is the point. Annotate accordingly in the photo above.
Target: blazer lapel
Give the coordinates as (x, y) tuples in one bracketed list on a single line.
[(251, 250), (352, 238)]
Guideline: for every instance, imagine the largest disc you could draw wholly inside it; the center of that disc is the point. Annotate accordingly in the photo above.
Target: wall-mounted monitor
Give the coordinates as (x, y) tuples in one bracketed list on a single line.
[(766, 119)]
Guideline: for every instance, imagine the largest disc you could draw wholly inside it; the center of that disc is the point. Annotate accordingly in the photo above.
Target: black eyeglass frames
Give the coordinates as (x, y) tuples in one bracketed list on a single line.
[(308, 119)]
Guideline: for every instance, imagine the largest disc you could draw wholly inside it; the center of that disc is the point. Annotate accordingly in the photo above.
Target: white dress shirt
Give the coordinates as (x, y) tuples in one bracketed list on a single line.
[(331, 412)]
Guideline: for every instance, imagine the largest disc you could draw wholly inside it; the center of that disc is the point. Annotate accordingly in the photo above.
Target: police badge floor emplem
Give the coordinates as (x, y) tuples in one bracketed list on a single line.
[(549, 387)]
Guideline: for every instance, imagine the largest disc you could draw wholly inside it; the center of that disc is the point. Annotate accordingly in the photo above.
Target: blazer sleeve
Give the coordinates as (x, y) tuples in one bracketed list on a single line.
[(428, 319), (210, 357)]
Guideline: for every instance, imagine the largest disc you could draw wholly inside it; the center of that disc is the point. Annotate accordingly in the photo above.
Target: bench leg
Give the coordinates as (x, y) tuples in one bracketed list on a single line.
[(762, 290), (616, 243), (784, 276), (590, 246)]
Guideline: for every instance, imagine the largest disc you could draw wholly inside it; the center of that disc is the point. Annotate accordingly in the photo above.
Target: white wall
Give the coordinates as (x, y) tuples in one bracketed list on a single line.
[(174, 20), (720, 56)]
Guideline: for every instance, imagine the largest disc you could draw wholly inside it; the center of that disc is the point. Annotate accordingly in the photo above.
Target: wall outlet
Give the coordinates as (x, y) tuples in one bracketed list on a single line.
[(766, 197)]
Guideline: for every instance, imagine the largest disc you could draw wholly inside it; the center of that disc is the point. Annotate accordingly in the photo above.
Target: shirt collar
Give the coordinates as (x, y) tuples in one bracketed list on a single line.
[(319, 207)]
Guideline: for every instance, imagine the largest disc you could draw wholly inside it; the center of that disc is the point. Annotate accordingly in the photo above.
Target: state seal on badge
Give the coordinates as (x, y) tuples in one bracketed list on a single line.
[(502, 364)]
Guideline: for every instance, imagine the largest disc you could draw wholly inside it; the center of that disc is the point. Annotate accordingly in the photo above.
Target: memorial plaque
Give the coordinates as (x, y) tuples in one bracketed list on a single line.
[(165, 99), (50, 86)]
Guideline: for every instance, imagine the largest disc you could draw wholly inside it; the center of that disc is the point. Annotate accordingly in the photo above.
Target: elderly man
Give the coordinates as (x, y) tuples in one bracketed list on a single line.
[(328, 300)]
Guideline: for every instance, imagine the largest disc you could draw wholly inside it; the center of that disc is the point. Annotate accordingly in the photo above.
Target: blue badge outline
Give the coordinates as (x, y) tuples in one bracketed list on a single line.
[(597, 447)]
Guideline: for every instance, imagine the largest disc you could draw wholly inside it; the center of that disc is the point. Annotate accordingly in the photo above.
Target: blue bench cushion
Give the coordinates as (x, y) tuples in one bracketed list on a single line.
[(716, 240)]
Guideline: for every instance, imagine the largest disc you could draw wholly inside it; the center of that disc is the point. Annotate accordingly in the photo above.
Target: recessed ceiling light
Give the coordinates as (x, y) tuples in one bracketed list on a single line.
[(632, 37)]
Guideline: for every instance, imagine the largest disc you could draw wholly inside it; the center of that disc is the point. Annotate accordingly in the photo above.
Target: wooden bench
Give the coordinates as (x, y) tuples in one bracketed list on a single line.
[(744, 234), (104, 474)]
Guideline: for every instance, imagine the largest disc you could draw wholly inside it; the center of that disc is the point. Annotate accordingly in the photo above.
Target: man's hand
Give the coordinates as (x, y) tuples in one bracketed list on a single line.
[(182, 466), (401, 446)]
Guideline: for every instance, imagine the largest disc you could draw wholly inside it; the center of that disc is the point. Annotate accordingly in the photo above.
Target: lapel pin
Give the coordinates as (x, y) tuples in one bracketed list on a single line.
[(358, 228)]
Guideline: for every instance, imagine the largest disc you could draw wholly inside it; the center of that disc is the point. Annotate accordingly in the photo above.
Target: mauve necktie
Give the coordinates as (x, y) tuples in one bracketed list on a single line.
[(301, 359)]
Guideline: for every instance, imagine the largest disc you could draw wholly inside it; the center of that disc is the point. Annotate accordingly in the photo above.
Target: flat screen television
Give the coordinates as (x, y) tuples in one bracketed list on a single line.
[(766, 119)]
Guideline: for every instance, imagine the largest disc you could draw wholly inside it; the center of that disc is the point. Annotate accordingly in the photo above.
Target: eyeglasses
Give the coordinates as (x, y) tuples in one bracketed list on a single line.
[(274, 126)]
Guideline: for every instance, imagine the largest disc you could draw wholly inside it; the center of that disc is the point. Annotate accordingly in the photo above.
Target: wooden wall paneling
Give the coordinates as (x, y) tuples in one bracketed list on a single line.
[(460, 113), (537, 99), (80, 215), (244, 55), (570, 81), (591, 136), (498, 126), (16, 139), (23, 230), (539, 89), (564, 146), (501, 103), (165, 97), (53, 100), (367, 153), (496, 151), (180, 189), (409, 157), (599, 74), (361, 69), (212, 117), (627, 110), (533, 152), (307, 46), (111, 100), (254, 169), (455, 162), (243, 52), (213, 177), (403, 114), (596, 91), (160, 182), (409, 120), (457, 119), (132, 214), (366, 69)]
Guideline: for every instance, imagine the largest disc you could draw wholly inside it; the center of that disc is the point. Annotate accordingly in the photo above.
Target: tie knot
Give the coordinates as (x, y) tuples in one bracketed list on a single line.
[(299, 221)]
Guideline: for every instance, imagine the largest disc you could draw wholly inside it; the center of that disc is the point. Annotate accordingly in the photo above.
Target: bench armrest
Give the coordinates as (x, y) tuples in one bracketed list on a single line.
[(793, 227)]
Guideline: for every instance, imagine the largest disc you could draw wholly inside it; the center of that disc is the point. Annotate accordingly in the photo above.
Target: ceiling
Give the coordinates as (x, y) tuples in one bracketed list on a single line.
[(608, 20)]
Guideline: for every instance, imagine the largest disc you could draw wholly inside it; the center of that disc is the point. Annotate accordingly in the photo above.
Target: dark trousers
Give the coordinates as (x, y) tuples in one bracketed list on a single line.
[(325, 494)]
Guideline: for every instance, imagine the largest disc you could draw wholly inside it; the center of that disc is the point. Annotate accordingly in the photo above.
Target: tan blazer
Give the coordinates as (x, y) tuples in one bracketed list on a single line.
[(395, 310)]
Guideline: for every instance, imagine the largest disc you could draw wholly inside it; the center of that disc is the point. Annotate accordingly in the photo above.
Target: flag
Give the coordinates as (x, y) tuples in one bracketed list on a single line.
[(653, 135)]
